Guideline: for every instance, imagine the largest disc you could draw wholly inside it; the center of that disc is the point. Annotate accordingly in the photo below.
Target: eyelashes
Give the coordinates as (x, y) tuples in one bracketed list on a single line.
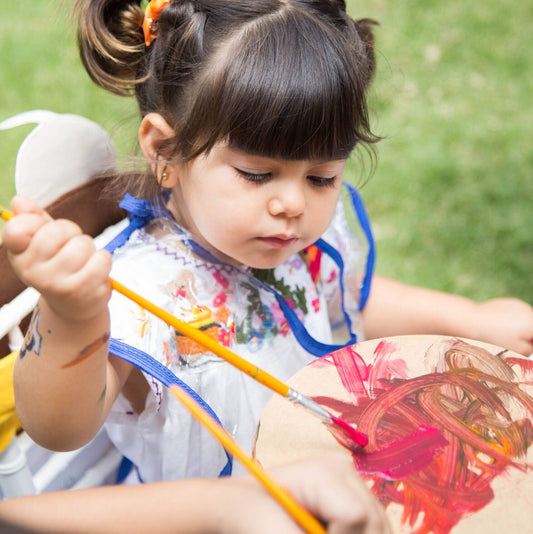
[(254, 178), (318, 181)]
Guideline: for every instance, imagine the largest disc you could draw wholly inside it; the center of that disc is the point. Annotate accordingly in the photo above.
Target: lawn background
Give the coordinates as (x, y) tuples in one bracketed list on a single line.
[(450, 199)]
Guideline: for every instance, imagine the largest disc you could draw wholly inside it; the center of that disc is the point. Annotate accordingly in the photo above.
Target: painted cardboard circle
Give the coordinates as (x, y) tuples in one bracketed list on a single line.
[(287, 432)]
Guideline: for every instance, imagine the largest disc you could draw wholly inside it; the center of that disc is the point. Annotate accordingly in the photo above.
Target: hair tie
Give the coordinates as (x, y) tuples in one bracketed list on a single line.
[(151, 16)]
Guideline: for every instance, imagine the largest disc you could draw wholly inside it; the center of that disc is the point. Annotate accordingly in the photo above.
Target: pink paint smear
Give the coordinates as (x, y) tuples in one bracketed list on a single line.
[(436, 441)]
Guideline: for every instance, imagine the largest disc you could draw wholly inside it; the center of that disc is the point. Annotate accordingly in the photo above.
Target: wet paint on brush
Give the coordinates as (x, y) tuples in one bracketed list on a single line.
[(436, 441), (346, 435)]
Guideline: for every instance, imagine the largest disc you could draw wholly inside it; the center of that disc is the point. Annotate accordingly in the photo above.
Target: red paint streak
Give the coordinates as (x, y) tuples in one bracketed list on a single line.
[(352, 371), (526, 366), (437, 441), (404, 456)]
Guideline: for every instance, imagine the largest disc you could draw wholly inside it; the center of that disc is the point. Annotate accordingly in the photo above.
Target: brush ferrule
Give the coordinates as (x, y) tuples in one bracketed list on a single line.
[(302, 400)]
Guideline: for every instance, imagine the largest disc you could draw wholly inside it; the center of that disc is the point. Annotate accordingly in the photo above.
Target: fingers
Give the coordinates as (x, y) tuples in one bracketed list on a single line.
[(351, 507), (21, 204), (506, 322), (34, 243), (58, 260), (18, 231), (76, 267), (526, 349), (522, 342), (59, 249), (88, 290), (97, 267), (330, 488)]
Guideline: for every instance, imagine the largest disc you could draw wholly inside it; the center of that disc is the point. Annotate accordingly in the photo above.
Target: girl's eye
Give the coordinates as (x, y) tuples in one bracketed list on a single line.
[(320, 181), (254, 178)]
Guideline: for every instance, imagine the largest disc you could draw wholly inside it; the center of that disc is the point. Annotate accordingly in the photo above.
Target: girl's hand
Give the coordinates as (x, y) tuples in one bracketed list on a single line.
[(58, 260), (506, 322), (327, 486), (395, 309)]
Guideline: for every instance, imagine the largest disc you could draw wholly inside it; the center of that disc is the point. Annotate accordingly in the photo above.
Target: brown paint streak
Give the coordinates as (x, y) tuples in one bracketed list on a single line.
[(89, 350), (472, 397)]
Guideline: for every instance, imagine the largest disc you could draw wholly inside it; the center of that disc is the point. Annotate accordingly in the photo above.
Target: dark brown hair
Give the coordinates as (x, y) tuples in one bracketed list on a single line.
[(280, 78)]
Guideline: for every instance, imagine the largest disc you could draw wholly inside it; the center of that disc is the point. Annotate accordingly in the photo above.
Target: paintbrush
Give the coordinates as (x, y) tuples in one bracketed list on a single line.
[(342, 431), (345, 434), (299, 514)]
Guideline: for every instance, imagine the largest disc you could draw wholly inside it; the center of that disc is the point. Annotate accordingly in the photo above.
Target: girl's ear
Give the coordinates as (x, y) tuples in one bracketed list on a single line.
[(154, 133)]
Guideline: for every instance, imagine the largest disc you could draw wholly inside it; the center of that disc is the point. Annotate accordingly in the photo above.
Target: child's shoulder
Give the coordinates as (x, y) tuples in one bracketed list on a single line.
[(158, 240)]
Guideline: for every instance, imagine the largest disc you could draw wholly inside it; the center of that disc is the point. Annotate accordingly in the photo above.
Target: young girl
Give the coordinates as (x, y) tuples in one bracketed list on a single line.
[(249, 112)]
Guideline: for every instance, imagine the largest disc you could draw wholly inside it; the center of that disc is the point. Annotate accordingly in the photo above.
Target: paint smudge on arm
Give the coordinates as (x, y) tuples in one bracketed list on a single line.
[(103, 394), (87, 351)]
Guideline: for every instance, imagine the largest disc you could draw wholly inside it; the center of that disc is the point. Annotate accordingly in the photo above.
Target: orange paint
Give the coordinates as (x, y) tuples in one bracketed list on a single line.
[(473, 400)]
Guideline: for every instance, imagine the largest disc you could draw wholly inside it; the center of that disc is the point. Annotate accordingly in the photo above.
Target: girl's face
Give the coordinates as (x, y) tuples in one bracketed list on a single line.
[(254, 210)]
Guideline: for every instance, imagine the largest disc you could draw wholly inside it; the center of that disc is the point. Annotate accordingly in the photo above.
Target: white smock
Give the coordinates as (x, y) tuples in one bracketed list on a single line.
[(164, 441)]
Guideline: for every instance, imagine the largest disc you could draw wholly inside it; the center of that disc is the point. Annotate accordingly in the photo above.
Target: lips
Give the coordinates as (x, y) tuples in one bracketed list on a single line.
[(279, 241)]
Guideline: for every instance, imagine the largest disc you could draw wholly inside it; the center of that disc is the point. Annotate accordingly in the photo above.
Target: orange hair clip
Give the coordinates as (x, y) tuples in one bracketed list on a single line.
[(151, 16)]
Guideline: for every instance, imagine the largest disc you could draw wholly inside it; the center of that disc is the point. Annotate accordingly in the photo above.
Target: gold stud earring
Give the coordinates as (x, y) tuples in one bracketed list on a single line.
[(164, 176)]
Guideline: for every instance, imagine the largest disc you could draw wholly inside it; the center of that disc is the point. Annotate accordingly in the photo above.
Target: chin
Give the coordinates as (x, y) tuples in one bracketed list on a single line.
[(259, 259), (269, 262), (265, 265)]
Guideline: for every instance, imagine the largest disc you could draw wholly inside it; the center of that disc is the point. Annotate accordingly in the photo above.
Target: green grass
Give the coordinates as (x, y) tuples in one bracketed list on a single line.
[(451, 196), (450, 200), (40, 69)]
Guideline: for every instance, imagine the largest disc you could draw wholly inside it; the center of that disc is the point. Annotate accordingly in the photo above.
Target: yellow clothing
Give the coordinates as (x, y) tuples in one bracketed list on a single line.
[(9, 423)]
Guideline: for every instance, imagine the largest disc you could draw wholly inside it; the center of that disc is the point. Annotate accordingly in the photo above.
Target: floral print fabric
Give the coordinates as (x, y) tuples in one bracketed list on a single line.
[(232, 306)]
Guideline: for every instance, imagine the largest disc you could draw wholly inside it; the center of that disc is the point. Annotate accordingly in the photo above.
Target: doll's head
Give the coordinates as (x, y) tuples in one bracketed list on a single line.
[(280, 78)]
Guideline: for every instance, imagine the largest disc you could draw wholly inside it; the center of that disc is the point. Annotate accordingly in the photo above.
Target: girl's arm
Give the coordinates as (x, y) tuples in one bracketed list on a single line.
[(396, 309), (64, 382), (328, 487)]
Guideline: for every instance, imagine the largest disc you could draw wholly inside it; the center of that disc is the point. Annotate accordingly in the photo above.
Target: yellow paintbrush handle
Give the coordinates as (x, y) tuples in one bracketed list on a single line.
[(302, 516), (5, 214), (206, 341), (193, 333)]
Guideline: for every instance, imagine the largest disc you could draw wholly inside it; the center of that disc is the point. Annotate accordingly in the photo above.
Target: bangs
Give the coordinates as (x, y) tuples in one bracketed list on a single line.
[(293, 94)]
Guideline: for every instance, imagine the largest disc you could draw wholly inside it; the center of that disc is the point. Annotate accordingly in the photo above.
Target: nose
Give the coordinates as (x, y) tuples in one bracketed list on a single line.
[(288, 200)]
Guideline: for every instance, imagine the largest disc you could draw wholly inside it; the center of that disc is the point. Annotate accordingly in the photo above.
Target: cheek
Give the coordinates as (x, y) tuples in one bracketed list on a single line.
[(223, 217), (323, 211)]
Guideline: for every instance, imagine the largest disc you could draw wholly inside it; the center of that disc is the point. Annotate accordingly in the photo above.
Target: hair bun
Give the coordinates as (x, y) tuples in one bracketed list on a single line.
[(111, 42)]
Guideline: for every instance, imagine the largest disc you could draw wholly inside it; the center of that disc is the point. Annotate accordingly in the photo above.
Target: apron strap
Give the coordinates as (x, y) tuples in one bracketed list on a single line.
[(141, 211), (364, 221), (151, 366)]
